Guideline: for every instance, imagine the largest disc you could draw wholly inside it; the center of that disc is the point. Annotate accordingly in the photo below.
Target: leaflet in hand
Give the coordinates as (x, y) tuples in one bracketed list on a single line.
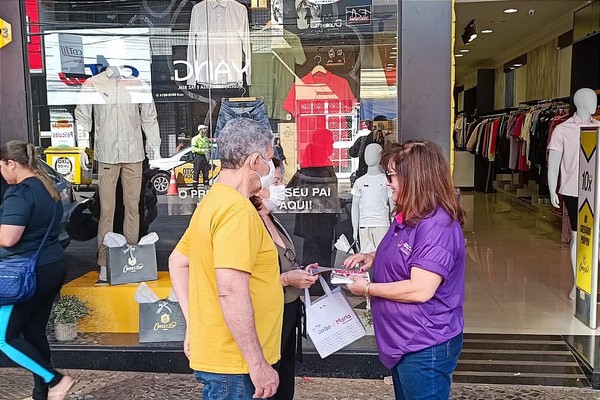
[(347, 276), (339, 276)]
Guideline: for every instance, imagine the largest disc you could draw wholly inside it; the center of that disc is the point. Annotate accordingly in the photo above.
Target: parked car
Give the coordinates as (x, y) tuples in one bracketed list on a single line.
[(183, 162), (68, 198)]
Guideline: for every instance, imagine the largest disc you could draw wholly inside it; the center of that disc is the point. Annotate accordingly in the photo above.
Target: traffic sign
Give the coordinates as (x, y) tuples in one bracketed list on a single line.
[(5, 33)]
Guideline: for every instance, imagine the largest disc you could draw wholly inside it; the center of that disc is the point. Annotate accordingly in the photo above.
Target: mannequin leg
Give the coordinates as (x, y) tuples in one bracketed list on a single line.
[(573, 263), (131, 176), (108, 174)]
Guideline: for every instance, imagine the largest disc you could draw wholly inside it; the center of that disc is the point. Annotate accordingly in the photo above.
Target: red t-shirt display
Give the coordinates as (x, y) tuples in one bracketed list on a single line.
[(321, 101)]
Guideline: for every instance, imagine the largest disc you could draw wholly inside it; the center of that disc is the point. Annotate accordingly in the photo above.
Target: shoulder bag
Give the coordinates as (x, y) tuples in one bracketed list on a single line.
[(18, 275)]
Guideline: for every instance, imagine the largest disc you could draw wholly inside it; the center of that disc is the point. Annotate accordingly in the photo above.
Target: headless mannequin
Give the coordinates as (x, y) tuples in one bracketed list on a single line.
[(116, 125), (585, 101), (367, 193)]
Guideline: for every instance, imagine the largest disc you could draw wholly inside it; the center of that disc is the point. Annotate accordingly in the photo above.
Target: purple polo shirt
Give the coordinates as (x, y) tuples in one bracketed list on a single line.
[(435, 244)]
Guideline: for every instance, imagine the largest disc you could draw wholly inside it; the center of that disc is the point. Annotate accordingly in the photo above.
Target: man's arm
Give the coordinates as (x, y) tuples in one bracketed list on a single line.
[(234, 295), (179, 270)]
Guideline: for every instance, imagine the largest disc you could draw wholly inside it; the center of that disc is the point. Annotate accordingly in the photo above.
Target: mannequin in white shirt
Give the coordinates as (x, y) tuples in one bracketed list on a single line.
[(118, 148), (564, 156), (372, 202)]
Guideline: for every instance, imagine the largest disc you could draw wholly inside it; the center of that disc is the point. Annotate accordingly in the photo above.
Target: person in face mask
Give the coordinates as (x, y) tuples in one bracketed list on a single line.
[(293, 279)]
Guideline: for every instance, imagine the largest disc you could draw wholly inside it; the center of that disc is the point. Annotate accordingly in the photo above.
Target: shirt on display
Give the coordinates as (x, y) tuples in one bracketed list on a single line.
[(222, 60), (374, 200), (306, 96), (275, 55), (118, 124), (565, 140)]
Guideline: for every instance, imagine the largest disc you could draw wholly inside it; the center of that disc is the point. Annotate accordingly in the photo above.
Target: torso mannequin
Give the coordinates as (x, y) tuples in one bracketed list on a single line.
[(371, 202), (564, 157)]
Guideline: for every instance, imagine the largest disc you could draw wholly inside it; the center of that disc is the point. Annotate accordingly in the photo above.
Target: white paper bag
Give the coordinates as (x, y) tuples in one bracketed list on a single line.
[(331, 322)]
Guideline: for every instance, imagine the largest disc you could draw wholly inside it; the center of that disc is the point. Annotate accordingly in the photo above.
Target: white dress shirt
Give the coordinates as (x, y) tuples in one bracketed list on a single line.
[(118, 123), (219, 35)]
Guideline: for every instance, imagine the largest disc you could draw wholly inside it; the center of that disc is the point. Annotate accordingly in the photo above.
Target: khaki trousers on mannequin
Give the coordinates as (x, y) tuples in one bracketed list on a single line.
[(371, 236), (131, 179)]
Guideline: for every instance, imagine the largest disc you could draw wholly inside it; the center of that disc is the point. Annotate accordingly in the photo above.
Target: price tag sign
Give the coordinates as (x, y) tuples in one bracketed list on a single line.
[(5, 33)]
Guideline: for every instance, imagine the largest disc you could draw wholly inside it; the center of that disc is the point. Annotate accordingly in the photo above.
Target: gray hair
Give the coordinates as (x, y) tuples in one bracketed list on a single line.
[(240, 138)]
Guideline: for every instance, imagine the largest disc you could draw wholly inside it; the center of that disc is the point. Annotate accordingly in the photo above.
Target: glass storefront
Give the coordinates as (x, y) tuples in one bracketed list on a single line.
[(320, 74)]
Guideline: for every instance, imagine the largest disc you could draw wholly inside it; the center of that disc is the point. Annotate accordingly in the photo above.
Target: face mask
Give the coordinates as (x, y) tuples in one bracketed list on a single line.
[(276, 197), (266, 180)]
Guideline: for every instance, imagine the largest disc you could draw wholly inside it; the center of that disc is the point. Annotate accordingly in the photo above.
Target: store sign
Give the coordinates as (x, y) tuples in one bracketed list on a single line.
[(358, 15), (5, 33), (307, 17), (587, 228), (73, 56)]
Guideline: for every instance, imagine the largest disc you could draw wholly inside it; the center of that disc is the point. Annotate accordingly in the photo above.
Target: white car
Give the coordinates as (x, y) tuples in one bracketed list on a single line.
[(182, 163)]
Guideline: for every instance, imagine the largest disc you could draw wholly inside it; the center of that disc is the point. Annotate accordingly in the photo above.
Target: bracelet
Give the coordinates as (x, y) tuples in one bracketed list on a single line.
[(367, 290)]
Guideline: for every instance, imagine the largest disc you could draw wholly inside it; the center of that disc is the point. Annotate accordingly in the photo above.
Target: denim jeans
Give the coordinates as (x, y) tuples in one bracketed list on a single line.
[(427, 374), (254, 110), (225, 386)]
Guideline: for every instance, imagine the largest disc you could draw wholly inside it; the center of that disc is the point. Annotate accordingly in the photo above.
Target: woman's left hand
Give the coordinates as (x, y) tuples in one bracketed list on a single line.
[(358, 287), (299, 278)]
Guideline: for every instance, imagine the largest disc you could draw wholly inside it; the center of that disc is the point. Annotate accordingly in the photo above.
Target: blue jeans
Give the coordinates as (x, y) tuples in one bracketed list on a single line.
[(254, 110), (427, 374), (225, 386)]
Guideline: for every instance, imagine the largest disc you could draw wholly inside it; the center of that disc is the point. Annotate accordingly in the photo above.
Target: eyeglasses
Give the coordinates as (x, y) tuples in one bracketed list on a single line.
[(291, 257), (389, 174)]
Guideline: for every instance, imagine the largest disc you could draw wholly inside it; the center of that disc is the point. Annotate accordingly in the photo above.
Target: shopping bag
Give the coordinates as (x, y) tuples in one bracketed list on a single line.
[(331, 322)]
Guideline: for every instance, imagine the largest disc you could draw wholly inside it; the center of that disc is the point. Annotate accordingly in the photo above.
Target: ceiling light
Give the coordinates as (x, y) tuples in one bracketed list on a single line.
[(487, 31), (392, 56), (459, 55), (498, 22), (510, 10), (517, 65), (512, 67), (464, 50), (470, 33)]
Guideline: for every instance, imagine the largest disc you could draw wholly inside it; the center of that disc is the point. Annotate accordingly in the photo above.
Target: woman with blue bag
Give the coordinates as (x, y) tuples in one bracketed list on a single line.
[(30, 217)]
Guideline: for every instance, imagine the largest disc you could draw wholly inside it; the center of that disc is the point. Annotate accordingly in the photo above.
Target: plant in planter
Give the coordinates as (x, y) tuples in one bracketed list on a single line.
[(66, 312)]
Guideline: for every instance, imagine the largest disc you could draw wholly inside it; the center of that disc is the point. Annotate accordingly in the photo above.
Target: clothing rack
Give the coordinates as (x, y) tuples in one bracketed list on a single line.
[(495, 113), (542, 101)]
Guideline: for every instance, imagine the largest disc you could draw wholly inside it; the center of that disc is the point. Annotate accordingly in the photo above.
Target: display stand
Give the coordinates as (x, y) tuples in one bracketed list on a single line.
[(586, 299)]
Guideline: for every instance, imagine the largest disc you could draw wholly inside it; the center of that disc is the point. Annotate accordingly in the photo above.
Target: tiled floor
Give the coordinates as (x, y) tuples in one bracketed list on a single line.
[(518, 273)]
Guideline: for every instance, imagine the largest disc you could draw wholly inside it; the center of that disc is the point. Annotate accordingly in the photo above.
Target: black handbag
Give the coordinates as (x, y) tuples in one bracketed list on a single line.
[(18, 275)]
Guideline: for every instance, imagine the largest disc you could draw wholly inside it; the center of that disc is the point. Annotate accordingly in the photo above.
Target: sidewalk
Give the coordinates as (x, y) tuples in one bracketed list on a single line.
[(15, 384)]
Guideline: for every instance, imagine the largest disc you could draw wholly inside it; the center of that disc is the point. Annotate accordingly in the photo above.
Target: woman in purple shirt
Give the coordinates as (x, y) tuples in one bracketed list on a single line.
[(418, 279)]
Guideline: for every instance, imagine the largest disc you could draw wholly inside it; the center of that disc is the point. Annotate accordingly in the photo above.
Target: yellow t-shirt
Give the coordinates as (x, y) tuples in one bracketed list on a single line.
[(227, 232)]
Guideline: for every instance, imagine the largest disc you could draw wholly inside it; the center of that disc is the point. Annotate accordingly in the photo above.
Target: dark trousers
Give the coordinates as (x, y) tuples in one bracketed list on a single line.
[(23, 329), (201, 165), (287, 364)]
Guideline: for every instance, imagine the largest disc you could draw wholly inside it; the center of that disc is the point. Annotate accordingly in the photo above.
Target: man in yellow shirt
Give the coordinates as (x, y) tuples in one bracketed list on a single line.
[(225, 273)]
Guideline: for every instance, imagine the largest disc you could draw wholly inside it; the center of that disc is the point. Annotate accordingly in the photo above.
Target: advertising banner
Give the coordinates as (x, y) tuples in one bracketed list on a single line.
[(73, 56), (587, 229)]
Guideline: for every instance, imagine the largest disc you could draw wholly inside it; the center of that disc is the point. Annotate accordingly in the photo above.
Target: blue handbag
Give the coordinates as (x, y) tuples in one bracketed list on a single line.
[(18, 275)]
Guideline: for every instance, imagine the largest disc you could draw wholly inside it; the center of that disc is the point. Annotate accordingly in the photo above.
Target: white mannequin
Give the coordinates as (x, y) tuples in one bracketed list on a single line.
[(119, 150), (371, 192), (585, 101)]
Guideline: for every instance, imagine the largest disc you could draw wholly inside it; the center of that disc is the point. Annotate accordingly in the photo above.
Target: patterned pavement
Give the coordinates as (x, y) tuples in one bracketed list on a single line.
[(111, 385)]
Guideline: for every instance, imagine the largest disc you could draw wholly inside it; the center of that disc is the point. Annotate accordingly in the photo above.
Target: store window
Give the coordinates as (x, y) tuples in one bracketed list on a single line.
[(140, 79)]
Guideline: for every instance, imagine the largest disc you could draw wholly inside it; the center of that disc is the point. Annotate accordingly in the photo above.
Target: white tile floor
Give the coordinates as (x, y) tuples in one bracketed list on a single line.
[(518, 273)]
